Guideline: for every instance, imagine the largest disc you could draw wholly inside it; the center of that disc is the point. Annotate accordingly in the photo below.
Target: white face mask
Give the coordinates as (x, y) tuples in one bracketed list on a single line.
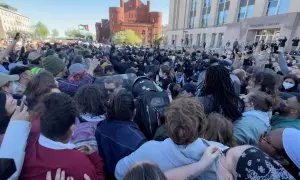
[(18, 88), (288, 85), (160, 74)]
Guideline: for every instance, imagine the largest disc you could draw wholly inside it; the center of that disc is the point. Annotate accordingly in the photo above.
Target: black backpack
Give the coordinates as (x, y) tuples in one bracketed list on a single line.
[(150, 106)]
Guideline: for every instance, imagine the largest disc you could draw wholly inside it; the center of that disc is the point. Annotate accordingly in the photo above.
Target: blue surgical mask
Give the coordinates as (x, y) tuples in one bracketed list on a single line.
[(287, 85)]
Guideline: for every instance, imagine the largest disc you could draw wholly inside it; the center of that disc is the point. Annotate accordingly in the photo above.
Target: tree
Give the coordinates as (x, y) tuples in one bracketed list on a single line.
[(74, 33), (157, 40), (128, 37), (55, 33), (41, 30)]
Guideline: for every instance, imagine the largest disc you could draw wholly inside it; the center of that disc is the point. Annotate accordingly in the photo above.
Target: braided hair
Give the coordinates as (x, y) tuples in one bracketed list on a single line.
[(218, 84)]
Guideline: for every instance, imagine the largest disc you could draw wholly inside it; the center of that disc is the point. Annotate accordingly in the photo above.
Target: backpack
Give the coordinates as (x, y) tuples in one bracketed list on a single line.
[(150, 108), (150, 105)]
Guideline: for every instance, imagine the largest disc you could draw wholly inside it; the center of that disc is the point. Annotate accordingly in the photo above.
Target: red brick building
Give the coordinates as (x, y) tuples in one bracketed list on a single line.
[(103, 31), (136, 15)]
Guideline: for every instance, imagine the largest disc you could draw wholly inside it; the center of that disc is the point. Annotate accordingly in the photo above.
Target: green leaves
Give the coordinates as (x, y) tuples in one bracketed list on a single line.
[(128, 37), (41, 30)]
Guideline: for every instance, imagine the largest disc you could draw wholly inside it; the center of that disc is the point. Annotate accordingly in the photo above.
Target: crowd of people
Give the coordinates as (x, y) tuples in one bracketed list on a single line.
[(80, 111)]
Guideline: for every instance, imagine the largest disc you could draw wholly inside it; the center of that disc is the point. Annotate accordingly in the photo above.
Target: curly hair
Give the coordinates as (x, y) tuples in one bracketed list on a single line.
[(91, 99), (57, 112), (219, 129), (121, 106), (185, 121), (219, 84)]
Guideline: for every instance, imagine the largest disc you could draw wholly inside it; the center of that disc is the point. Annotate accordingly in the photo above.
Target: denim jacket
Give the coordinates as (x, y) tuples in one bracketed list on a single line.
[(117, 139)]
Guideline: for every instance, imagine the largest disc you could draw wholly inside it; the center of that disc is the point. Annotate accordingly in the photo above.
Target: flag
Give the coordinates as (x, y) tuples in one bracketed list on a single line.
[(83, 27)]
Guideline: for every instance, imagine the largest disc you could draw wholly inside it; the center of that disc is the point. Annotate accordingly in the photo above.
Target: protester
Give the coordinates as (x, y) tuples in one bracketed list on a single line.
[(289, 117), (165, 76), (6, 82), (46, 151), (255, 119), (14, 142), (19, 87), (219, 129), (247, 162), (281, 144), (7, 108), (290, 84), (90, 101), (113, 133), (226, 101), (185, 123)]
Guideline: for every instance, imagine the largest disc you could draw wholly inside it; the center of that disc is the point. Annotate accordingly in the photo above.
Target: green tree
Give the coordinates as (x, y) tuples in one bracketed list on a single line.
[(128, 37), (41, 30), (55, 33), (157, 40), (74, 33)]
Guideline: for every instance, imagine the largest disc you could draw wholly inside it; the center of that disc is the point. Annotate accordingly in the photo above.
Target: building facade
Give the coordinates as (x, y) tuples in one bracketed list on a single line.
[(215, 22), (103, 31), (136, 16), (12, 21)]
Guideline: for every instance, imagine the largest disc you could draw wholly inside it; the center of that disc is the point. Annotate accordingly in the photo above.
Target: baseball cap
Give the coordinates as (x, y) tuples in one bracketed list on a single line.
[(4, 78)]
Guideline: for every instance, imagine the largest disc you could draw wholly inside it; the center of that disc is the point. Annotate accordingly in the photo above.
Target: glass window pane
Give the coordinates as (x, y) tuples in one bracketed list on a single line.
[(227, 5), (284, 6), (225, 17), (272, 8), (250, 11), (251, 2), (243, 3), (242, 13)]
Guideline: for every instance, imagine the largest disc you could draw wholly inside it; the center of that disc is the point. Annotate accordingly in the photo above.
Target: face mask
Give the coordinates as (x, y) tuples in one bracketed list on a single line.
[(18, 88), (288, 85), (160, 74)]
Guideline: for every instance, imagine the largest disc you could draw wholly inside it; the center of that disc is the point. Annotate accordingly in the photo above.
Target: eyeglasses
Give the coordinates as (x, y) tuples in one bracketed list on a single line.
[(266, 138)]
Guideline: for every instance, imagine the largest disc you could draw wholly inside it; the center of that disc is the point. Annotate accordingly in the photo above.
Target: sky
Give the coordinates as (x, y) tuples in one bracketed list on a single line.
[(66, 14)]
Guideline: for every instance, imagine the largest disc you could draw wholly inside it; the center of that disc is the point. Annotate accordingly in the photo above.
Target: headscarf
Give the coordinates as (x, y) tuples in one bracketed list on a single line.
[(4, 120), (256, 165)]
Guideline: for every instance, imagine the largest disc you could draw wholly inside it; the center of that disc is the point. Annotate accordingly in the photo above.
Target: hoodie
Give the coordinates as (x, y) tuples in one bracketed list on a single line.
[(250, 127), (168, 155)]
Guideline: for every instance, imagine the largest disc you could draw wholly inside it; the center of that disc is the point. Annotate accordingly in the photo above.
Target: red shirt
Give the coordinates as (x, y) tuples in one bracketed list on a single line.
[(39, 160)]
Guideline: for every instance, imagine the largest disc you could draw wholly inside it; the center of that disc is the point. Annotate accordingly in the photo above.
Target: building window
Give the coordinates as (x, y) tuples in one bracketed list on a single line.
[(192, 14), (206, 13), (223, 11), (203, 38), (278, 7), (198, 39), (220, 40), (246, 9), (213, 39), (191, 39)]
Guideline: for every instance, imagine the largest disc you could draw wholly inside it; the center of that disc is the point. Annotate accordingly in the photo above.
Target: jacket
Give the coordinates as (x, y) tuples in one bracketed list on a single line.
[(117, 139), (41, 158), (70, 88), (278, 122), (250, 127), (168, 155), (14, 143), (85, 131)]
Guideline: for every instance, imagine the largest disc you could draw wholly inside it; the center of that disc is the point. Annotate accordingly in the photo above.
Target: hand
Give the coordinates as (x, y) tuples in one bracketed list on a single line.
[(20, 113), (94, 63), (209, 156), (60, 175), (86, 149)]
